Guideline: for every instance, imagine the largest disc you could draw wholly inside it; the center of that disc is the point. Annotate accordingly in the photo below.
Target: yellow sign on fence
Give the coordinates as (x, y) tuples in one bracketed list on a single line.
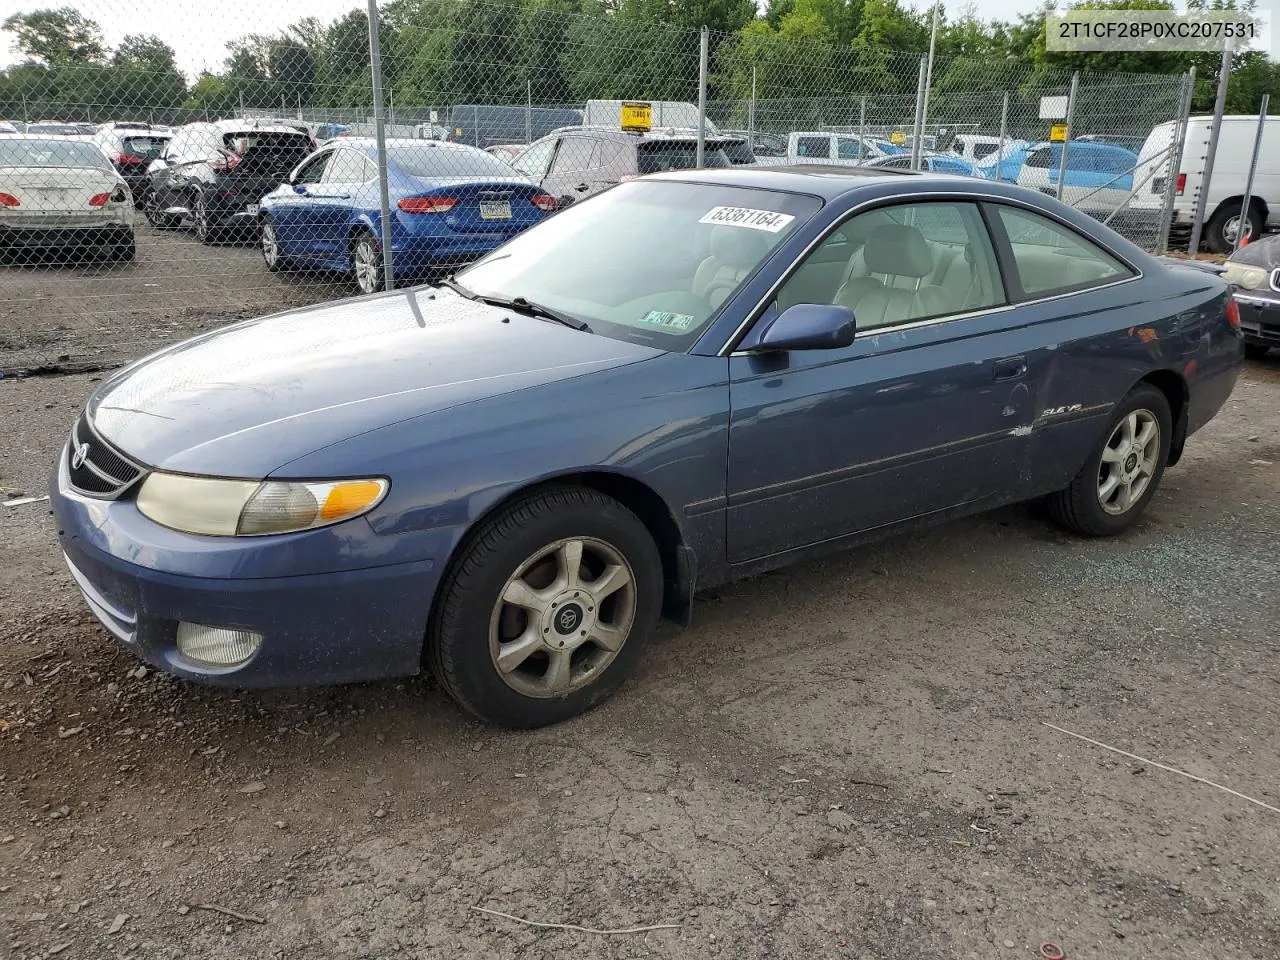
[(898, 138), (637, 116), (1058, 132)]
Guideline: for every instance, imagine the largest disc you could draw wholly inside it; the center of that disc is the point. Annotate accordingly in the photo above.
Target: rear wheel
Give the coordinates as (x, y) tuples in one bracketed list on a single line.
[(206, 230), (1220, 232), (548, 610), (1121, 475), (155, 215), (366, 262)]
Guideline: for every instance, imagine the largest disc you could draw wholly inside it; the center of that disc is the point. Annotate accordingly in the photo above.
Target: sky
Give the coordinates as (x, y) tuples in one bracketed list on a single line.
[(199, 30)]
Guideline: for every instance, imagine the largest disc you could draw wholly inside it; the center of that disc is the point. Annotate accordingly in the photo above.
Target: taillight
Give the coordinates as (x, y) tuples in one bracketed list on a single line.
[(1182, 183), (427, 204), (99, 199), (227, 162), (9, 200), (228, 193), (545, 202), (1233, 312), (126, 159)]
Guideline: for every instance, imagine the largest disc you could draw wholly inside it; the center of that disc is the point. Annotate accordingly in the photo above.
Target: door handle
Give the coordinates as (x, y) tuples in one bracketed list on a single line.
[(1010, 368), (582, 186)]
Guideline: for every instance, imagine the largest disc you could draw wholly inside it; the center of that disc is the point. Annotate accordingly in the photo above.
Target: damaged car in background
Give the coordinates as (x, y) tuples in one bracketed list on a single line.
[(1254, 270)]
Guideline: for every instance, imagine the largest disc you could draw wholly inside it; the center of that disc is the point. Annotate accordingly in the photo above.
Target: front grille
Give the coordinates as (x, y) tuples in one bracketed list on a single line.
[(95, 467)]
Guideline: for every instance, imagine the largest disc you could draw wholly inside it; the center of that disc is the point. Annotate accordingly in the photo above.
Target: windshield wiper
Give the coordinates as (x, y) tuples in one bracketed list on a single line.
[(521, 304)]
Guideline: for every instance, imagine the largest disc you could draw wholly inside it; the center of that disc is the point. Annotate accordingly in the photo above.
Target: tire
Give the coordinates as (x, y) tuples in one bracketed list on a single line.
[(1220, 230), (1082, 506), (155, 217), (366, 262), (1255, 351), (267, 242), (524, 551), (126, 251), (207, 231)]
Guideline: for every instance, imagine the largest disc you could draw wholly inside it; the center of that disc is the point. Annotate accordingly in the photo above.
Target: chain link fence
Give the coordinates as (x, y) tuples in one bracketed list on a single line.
[(139, 204)]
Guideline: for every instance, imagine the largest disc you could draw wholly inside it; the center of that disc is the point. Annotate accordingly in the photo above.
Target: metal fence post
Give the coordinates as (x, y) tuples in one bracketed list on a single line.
[(1253, 168), (703, 54), (1219, 106), (915, 130), (1004, 133), (1071, 112), (928, 73), (751, 113), (380, 131), (1175, 162), (528, 111), (862, 129)]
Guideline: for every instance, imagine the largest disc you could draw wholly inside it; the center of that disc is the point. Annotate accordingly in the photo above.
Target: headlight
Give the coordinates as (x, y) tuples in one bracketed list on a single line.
[(244, 508), (1246, 276)]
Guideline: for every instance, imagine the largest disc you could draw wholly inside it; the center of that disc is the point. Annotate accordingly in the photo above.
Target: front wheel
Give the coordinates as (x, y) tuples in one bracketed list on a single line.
[(1122, 473), (271, 255), (547, 610), (366, 263)]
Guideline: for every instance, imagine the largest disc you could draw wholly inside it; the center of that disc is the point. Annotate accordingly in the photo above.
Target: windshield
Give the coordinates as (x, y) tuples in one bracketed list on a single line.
[(654, 156), (739, 153), (424, 158), (143, 146), (15, 152), (647, 262)]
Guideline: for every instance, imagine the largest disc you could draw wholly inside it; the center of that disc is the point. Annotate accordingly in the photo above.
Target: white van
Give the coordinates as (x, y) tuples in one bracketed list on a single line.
[(1230, 171)]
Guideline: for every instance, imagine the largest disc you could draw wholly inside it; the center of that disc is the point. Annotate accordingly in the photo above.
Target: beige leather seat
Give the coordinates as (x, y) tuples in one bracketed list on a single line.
[(894, 252), (735, 253)]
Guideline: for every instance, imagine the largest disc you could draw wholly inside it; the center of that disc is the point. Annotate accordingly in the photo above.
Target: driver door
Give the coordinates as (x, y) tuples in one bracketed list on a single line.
[(921, 414), (295, 211)]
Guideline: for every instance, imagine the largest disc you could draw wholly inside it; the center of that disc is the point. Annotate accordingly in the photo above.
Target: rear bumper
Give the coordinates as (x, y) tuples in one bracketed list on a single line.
[(1259, 319), (58, 238)]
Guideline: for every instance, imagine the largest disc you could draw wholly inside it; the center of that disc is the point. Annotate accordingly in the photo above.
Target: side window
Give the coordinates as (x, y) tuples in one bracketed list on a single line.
[(616, 160), (813, 147), (981, 150), (347, 166), (576, 154), (1050, 258), (1041, 157), (533, 162), (313, 170), (900, 264), (848, 149)]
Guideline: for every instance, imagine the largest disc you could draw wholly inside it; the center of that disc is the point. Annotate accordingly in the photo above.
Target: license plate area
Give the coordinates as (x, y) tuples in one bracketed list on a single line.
[(495, 209), (251, 209)]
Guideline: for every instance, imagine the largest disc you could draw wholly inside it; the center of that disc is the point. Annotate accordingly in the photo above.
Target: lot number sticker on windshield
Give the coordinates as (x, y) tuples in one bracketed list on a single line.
[(746, 217)]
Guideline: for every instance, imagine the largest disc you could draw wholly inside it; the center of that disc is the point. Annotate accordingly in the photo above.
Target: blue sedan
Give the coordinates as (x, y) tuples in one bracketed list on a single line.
[(689, 379), (450, 204), (932, 162)]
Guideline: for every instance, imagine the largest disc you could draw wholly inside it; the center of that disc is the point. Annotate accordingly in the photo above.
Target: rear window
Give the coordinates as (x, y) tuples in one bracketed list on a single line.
[(51, 153), (813, 146), (658, 155), (148, 146), (56, 129), (268, 152), (425, 159)]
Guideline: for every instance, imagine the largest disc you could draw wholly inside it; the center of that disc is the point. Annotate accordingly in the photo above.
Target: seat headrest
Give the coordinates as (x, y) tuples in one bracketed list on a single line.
[(737, 243), (898, 250)]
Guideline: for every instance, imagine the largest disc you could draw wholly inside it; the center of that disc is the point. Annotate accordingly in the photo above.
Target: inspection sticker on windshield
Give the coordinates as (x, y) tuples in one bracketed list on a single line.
[(667, 320), (746, 217)]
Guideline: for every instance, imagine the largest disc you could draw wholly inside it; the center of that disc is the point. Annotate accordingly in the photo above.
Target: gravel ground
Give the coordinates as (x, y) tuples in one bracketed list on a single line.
[(844, 759)]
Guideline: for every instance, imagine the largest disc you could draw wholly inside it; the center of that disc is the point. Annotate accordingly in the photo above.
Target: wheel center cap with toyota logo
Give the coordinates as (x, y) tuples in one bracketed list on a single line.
[(567, 619)]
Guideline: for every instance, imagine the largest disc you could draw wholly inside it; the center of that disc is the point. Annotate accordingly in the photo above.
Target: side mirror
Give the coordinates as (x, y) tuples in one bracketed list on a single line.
[(809, 326), (298, 187)]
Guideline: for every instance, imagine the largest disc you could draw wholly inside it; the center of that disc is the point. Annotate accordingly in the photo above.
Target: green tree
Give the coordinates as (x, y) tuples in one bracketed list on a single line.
[(57, 37)]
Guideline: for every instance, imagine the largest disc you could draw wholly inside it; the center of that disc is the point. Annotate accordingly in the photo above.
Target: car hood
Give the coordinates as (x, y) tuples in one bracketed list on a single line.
[(1259, 253), (248, 399)]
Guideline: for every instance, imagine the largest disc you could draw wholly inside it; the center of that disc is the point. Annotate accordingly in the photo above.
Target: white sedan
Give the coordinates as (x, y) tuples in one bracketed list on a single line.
[(59, 195)]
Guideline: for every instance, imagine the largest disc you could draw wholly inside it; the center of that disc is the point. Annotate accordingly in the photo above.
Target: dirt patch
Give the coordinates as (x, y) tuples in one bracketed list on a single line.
[(844, 759)]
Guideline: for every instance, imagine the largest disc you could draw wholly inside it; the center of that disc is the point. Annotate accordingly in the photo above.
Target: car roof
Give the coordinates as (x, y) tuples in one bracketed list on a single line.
[(833, 181)]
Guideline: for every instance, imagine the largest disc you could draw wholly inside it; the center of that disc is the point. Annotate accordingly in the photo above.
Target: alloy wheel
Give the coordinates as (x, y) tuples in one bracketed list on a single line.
[(270, 245), (562, 617), (200, 214), (1129, 461), (367, 262)]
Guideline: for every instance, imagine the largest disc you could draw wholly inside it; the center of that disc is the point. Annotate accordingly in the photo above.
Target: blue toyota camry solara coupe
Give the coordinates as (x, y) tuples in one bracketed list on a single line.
[(695, 376)]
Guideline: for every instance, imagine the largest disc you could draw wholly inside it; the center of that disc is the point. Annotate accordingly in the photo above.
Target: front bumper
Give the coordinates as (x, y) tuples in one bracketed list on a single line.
[(317, 628), (1259, 318)]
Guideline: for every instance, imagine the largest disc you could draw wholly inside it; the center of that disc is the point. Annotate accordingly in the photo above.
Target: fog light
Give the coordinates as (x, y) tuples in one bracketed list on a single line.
[(217, 646)]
